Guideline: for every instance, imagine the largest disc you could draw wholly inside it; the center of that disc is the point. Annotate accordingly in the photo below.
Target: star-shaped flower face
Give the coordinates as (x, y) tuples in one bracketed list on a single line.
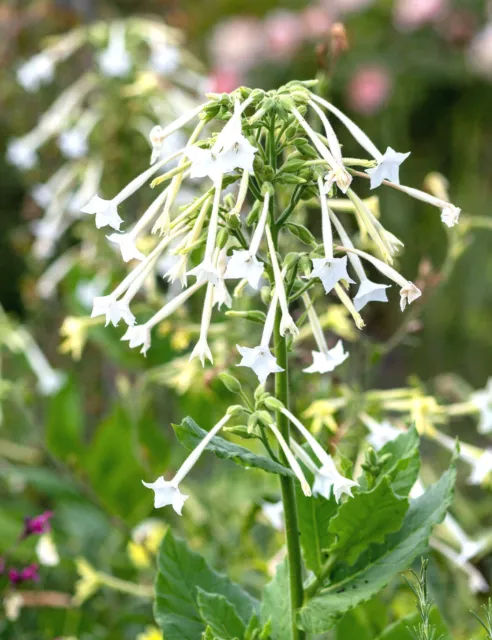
[(128, 247), (328, 477), (370, 292), (138, 336), (244, 265), (326, 362), (409, 293), (240, 156), (340, 176), (114, 310), (450, 215), (388, 168), (330, 271), (166, 493), (483, 401), (481, 468), (205, 163), (260, 360), (73, 144), (202, 351), (106, 212), (221, 295), (21, 154), (205, 272), (35, 72)]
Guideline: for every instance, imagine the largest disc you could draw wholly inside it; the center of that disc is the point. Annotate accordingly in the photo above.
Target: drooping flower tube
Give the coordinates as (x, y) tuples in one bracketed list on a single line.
[(287, 323)]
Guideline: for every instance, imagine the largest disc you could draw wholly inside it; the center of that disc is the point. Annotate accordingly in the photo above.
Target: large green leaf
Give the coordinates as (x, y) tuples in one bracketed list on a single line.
[(365, 519), (220, 615), (403, 465), (190, 435), (276, 604), (315, 514), (181, 572), (373, 571)]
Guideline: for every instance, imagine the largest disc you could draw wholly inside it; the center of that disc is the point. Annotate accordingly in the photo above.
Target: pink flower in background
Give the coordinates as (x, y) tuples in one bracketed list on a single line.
[(316, 21), (29, 573), (480, 52), (237, 43), (369, 89), (37, 525), (283, 33), (412, 14), (224, 80)]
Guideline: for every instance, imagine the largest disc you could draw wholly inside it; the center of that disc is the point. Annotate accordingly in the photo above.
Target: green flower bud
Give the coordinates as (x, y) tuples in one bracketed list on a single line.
[(235, 409), (230, 382), (266, 295), (302, 233), (229, 201), (233, 222), (254, 213), (274, 404), (265, 418), (259, 391), (290, 259), (267, 187), (305, 265), (254, 316), (222, 238)]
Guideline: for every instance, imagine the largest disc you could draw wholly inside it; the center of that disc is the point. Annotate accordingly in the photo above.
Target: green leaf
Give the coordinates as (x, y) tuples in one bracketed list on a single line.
[(365, 519), (220, 615), (276, 607), (190, 434), (373, 571), (180, 573), (404, 464), (65, 424), (314, 517), (351, 628)]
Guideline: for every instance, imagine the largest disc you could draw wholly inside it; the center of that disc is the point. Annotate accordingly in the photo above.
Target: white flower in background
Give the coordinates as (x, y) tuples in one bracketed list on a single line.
[(450, 216), (73, 143), (127, 245), (483, 402), (476, 581), (54, 274), (21, 154), (46, 551), (115, 61), (260, 359), (50, 381), (12, 604), (221, 295), (87, 291), (468, 548), (274, 513), (388, 168), (244, 263), (114, 310), (168, 493), (164, 58), (35, 72), (327, 477), (481, 467), (89, 185), (408, 292), (325, 362), (380, 433)]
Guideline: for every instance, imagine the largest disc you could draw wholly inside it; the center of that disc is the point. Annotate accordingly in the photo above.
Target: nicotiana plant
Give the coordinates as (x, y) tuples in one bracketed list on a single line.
[(260, 158)]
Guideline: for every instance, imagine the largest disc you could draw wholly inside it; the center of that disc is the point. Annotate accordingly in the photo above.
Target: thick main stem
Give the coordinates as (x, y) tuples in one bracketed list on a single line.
[(287, 484)]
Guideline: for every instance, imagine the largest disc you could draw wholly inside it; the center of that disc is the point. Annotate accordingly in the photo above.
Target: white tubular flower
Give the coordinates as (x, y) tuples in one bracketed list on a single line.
[(206, 271), (481, 467), (106, 211), (325, 359), (408, 293), (54, 274), (329, 270), (274, 513), (388, 163), (234, 150), (46, 551), (476, 581), (483, 402), (450, 216), (221, 295), (468, 548), (241, 196), (87, 290), (138, 336), (388, 168), (89, 185), (380, 433), (168, 493), (114, 310), (337, 173), (287, 323), (127, 244), (368, 291), (164, 58), (294, 465), (115, 61), (37, 71), (244, 264), (74, 142), (202, 350), (21, 153), (260, 359), (50, 381)]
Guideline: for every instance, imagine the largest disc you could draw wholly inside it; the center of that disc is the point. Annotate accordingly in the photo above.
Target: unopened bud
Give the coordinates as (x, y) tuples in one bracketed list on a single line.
[(235, 409), (230, 382), (274, 404)]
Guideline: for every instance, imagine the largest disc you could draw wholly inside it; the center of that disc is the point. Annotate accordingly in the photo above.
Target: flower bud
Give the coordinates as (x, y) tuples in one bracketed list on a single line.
[(267, 187), (260, 389), (305, 265), (290, 259), (302, 233), (254, 316), (222, 238), (254, 213), (265, 418), (235, 409), (230, 382), (274, 404)]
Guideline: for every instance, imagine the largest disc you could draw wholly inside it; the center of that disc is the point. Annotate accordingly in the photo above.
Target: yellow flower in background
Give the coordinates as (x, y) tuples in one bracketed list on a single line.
[(74, 336), (146, 539), (321, 412), (150, 633), (88, 583)]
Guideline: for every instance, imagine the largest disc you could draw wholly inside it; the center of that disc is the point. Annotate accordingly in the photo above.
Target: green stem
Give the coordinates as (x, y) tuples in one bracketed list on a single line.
[(287, 484)]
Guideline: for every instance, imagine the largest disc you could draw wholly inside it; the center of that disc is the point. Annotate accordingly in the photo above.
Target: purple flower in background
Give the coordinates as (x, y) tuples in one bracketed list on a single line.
[(37, 525), (29, 573)]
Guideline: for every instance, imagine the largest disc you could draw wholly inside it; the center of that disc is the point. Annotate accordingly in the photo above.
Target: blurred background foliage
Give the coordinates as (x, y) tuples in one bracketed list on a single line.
[(418, 83)]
